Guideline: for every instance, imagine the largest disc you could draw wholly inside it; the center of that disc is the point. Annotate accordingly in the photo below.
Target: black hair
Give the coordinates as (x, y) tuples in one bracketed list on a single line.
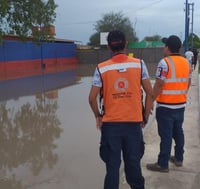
[(116, 40), (173, 43)]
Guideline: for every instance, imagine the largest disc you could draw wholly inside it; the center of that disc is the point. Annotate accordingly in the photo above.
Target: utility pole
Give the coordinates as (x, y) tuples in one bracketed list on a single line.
[(192, 22), (188, 22), (186, 25)]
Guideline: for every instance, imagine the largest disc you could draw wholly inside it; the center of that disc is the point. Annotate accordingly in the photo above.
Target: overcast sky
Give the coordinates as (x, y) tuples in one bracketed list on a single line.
[(75, 19)]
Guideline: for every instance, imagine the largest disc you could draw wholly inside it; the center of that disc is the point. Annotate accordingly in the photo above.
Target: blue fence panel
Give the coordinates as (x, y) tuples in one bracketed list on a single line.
[(58, 50), (17, 50)]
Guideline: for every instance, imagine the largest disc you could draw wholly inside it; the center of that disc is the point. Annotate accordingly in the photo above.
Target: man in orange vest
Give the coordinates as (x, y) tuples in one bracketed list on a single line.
[(119, 80), (170, 92)]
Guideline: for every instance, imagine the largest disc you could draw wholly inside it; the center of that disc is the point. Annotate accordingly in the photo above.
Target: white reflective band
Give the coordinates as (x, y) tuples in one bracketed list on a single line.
[(173, 77), (171, 62), (119, 66), (176, 80), (174, 92)]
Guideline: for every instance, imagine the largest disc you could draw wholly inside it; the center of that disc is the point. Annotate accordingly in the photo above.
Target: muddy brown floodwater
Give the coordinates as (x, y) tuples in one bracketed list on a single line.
[(48, 137)]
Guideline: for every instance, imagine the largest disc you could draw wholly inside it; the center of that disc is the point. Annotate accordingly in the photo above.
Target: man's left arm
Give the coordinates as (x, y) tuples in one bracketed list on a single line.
[(146, 84)]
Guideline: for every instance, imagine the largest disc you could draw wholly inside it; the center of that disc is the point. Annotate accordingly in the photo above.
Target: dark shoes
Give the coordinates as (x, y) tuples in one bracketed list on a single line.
[(156, 167), (175, 162)]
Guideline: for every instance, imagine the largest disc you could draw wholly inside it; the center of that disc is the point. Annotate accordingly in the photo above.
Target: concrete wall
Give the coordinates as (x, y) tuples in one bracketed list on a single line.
[(95, 56), (151, 56)]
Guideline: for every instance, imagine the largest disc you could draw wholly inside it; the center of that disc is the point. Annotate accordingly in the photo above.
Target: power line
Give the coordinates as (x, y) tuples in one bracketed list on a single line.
[(141, 8), (145, 7), (149, 5), (77, 23)]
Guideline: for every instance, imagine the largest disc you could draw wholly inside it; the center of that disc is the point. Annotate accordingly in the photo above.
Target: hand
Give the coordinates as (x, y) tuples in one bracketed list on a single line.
[(99, 122), (143, 124), (152, 109)]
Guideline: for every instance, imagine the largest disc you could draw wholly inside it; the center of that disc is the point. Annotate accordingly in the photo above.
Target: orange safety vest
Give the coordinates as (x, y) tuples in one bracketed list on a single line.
[(121, 89), (175, 88)]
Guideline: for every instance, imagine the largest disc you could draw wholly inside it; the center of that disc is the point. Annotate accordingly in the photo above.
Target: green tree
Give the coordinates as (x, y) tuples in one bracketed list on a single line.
[(18, 17), (113, 21), (196, 41)]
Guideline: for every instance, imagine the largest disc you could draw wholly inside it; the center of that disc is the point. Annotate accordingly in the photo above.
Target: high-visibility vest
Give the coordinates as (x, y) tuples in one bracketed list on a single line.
[(121, 89), (175, 88)]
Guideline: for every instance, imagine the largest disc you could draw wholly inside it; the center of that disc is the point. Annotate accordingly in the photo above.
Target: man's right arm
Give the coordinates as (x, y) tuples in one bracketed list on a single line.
[(157, 88), (94, 92), (161, 74)]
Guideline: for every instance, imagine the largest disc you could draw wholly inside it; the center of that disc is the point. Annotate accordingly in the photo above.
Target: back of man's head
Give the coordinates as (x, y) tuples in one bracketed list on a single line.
[(173, 42), (116, 40)]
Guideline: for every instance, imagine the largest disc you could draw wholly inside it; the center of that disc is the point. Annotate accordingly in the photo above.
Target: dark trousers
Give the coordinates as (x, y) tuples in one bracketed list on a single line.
[(124, 139), (170, 123)]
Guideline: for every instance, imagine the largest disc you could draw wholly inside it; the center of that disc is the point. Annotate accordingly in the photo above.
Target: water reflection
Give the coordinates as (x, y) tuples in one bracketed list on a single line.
[(11, 184), (14, 88), (27, 135), (29, 125), (48, 137)]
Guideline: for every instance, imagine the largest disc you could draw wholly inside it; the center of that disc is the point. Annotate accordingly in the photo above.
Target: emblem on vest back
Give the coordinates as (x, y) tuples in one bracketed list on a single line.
[(121, 84)]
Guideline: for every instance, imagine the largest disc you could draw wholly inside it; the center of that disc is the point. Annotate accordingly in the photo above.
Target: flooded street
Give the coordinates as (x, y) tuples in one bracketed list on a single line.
[(48, 137)]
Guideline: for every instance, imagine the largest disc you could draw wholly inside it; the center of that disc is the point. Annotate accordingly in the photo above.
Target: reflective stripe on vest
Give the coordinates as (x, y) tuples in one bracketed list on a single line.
[(174, 92), (119, 66), (174, 79), (175, 87)]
